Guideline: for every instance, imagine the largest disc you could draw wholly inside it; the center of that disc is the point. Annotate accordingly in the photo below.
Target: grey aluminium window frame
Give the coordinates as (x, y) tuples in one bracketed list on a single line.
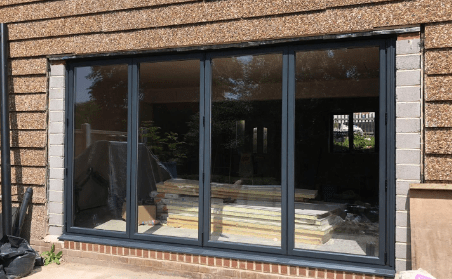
[(135, 116), (69, 148), (386, 159), (208, 107), (286, 252)]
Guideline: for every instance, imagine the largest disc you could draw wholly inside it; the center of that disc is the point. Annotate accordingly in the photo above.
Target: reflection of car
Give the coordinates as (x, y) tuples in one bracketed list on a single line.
[(342, 131)]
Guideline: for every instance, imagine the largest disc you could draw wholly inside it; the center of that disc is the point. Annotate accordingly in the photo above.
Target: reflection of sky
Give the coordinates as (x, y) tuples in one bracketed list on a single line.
[(245, 59), (239, 84), (82, 84)]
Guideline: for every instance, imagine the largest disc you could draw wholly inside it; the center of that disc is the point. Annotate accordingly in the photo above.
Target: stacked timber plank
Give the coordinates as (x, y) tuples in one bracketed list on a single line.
[(249, 213), (232, 191)]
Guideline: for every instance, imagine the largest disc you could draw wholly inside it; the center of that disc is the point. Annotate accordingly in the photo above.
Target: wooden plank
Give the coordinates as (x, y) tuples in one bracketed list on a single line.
[(192, 186), (261, 233), (430, 186), (431, 231)]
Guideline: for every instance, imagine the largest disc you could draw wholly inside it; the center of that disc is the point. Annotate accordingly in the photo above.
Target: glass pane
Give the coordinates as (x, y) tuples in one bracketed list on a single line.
[(100, 147), (246, 149), (364, 132), (168, 149), (333, 86), (340, 138)]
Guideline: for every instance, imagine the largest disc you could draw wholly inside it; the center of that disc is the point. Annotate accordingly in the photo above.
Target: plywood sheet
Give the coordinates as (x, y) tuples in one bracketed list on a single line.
[(431, 231)]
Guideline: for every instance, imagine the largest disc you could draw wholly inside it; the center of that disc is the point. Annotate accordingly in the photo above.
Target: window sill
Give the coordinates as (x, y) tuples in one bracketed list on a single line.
[(241, 255)]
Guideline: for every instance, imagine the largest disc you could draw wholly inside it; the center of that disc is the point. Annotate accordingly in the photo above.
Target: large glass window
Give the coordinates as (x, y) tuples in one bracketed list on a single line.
[(335, 152), (100, 147), (168, 149), (245, 189), (281, 150)]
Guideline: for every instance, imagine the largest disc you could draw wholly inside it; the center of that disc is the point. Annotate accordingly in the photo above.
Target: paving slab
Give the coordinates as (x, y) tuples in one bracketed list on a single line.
[(76, 271)]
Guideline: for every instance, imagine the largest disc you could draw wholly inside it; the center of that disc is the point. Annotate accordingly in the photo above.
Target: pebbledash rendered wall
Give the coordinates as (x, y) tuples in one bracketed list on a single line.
[(40, 31)]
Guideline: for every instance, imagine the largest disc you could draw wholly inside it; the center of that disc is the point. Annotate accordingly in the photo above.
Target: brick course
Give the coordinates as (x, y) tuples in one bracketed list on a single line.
[(182, 264)]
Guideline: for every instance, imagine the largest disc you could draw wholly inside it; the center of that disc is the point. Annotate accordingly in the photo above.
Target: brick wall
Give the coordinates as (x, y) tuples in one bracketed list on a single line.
[(56, 132), (408, 138), (187, 265)]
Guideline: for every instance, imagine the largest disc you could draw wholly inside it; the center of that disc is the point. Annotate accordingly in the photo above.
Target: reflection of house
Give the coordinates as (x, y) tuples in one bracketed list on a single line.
[(348, 99)]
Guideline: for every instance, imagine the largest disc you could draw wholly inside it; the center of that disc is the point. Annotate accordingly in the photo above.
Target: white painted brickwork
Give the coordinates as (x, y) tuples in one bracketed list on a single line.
[(408, 140), (56, 149)]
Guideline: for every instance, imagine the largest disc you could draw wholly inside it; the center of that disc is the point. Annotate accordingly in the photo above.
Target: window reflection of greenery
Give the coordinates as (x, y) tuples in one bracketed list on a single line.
[(167, 147), (360, 143)]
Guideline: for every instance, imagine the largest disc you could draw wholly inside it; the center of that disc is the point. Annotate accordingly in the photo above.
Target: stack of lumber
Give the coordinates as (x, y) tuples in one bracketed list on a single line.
[(232, 191), (245, 210)]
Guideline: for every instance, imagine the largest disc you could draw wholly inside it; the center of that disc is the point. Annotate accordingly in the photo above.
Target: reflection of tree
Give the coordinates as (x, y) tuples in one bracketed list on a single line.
[(237, 82), (318, 73), (243, 88), (107, 108), (86, 112), (247, 78), (167, 147)]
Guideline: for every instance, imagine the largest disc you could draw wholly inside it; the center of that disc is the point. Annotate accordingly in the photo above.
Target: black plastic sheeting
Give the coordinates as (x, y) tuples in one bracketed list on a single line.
[(100, 175), (17, 258)]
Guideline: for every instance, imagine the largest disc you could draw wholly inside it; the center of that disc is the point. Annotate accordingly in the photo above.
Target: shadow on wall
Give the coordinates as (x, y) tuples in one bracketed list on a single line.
[(17, 183)]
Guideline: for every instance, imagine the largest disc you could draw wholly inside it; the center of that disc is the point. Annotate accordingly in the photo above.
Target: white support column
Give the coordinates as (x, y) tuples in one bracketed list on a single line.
[(55, 193), (408, 140)]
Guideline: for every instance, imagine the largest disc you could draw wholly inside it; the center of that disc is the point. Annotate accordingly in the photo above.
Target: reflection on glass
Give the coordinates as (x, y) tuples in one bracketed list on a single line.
[(168, 149), (245, 174), (364, 131), (341, 141), (100, 159), (338, 162), (255, 140)]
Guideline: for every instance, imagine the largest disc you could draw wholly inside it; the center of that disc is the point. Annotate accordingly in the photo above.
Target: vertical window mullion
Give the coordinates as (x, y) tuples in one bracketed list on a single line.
[(290, 151), (132, 149), (351, 134), (284, 153), (202, 151), (69, 149), (388, 190), (206, 149)]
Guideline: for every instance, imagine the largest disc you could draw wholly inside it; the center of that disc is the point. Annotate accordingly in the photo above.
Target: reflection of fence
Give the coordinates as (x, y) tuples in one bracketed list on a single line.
[(84, 137), (363, 122)]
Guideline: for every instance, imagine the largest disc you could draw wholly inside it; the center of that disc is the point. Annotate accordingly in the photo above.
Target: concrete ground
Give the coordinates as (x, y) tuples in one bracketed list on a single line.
[(77, 271)]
